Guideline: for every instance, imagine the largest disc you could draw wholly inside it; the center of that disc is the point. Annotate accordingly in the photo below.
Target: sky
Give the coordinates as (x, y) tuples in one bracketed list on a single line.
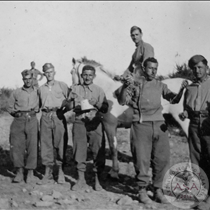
[(57, 31)]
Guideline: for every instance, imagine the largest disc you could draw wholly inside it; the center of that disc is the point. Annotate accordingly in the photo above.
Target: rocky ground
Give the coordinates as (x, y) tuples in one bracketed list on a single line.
[(121, 194)]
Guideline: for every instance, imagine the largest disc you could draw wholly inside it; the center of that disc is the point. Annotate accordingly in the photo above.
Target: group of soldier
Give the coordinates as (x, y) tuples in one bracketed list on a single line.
[(149, 134)]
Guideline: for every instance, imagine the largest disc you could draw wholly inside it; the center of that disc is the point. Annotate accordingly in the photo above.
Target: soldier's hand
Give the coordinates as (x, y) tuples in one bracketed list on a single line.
[(117, 78), (92, 101), (129, 80), (184, 84), (182, 116)]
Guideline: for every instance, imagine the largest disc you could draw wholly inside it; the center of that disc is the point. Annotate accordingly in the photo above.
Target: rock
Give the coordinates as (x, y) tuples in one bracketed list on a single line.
[(43, 203), (151, 206), (125, 200), (47, 198), (73, 196), (24, 190), (35, 193), (87, 190), (14, 204), (68, 202), (85, 199), (56, 194), (27, 202)]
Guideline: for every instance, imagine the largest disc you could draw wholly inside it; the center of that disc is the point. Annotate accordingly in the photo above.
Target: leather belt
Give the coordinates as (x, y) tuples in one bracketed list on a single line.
[(47, 110)]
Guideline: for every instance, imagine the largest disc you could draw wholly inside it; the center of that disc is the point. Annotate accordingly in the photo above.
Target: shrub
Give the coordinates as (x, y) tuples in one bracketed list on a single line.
[(182, 71), (4, 96)]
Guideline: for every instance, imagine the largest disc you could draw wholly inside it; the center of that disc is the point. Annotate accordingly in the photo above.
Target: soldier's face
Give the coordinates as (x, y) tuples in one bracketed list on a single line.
[(50, 74), (88, 76), (151, 70), (27, 81), (136, 36), (200, 70)]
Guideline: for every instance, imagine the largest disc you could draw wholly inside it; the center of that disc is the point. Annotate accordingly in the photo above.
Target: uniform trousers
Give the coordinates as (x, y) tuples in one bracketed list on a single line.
[(53, 136), (199, 143), (89, 132), (24, 142), (150, 147)]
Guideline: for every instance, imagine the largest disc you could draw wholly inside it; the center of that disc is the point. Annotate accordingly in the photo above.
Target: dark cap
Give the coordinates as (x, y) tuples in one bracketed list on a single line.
[(196, 59), (133, 28), (26, 73), (47, 66), (88, 67)]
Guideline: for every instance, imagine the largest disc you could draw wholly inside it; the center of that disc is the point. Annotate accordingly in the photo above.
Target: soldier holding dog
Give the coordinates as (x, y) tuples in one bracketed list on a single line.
[(149, 134)]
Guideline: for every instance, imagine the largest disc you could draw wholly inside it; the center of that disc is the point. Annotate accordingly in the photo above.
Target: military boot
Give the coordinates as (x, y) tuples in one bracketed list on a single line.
[(61, 177), (30, 177), (48, 177), (143, 197), (159, 196), (19, 176), (81, 182), (97, 186)]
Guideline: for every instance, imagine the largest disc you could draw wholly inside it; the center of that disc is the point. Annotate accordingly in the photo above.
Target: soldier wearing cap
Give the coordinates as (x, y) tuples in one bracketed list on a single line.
[(87, 128), (35, 73), (142, 52), (196, 108), (23, 105), (53, 130)]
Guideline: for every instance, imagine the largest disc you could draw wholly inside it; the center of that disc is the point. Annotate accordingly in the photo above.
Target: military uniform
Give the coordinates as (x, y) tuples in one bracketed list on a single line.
[(23, 106), (53, 130)]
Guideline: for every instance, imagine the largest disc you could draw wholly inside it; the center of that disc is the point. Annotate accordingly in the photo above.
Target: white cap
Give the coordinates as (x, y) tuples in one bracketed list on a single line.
[(85, 105)]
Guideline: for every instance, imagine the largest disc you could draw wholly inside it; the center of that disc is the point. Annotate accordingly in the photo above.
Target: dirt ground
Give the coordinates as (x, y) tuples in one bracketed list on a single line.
[(121, 194)]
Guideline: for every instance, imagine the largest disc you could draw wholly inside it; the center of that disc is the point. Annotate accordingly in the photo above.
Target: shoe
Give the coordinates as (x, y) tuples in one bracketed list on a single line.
[(159, 197), (48, 177), (30, 177), (81, 183), (19, 176), (143, 197), (97, 186), (61, 177)]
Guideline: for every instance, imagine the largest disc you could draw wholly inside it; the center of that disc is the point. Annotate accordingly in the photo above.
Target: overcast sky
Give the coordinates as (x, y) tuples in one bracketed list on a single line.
[(58, 31)]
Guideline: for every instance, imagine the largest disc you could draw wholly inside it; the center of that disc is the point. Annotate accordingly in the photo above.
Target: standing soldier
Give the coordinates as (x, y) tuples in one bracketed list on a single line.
[(35, 73), (53, 132), (23, 106), (196, 108), (149, 134), (87, 128)]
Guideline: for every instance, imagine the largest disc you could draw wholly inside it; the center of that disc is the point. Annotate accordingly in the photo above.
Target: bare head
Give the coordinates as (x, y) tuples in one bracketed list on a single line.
[(32, 64)]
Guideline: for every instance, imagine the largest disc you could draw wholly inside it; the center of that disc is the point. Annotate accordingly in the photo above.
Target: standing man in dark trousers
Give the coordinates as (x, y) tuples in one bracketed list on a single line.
[(149, 134), (35, 73), (23, 106), (196, 108), (53, 132), (142, 52), (88, 128)]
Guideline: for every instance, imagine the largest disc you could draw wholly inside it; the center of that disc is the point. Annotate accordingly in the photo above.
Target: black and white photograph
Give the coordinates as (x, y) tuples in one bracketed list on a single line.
[(104, 105)]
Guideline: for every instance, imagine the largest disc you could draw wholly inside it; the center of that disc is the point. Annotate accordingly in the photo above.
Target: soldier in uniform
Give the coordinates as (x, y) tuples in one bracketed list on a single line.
[(35, 73), (149, 134), (88, 128), (53, 129), (23, 105)]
